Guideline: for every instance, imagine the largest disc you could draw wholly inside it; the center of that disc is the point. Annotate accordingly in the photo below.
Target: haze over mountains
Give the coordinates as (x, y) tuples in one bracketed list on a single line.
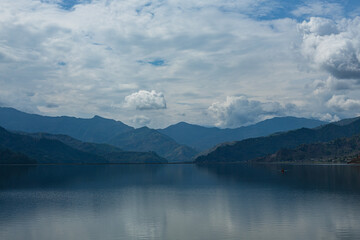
[(203, 138)]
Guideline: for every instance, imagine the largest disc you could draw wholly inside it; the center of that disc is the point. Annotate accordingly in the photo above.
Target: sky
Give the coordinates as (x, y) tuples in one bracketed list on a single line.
[(223, 63)]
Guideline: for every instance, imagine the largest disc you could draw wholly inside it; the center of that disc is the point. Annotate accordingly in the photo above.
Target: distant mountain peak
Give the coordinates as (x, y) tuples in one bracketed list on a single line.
[(100, 118), (97, 117), (184, 123), (144, 127), (202, 138), (96, 129)]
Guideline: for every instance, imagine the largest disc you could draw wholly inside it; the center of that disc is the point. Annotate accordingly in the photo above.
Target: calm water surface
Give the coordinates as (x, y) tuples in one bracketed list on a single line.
[(179, 202)]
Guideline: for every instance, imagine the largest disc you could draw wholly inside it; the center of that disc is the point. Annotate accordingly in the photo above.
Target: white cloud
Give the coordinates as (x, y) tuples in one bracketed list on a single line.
[(327, 117), (85, 65), (331, 84), (333, 47), (236, 111), (319, 26), (140, 120), (342, 103), (319, 8), (145, 100), (86, 59)]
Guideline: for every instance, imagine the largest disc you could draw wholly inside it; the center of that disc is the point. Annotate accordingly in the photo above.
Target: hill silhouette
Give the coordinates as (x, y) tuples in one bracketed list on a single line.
[(98, 130), (252, 148), (51, 149), (202, 138), (146, 139), (341, 150)]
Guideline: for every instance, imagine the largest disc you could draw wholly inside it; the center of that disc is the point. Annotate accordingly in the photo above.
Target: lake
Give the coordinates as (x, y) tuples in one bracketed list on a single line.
[(225, 201)]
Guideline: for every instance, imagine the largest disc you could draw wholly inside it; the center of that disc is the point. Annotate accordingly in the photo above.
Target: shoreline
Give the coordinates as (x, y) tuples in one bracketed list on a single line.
[(182, 163)]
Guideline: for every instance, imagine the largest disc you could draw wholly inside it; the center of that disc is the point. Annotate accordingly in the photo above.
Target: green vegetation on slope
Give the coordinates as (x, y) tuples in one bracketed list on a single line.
[(97, 130), (249, 149), (111, 153), (341, 150), (60, 149), (10, 157), (45, 150), (146, 139)]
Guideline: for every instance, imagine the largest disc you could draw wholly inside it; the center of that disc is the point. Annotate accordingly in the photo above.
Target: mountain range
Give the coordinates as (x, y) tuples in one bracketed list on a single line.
[(252, 148), (55, 149), (98, 130), (202, 138), (146, 139), (340, 150), (177, 143)]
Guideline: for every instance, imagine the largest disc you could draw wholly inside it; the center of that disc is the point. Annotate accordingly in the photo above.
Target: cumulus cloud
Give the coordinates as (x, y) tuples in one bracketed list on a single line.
[(140, 120), (343, 103), (329, 85), (328, 117), (236, 111), (61, 52), (333, 46), (146, 100), (319, 26), (65, 55)]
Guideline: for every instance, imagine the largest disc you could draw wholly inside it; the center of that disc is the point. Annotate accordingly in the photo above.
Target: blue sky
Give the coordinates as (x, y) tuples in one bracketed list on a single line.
[(275, 9), (216, 62), (67, 4)]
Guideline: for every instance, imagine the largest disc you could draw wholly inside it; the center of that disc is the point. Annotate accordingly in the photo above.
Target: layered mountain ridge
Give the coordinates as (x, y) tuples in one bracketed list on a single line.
[(98, 130), (23, 148), (248, 149), (340, 150), (202, 138), (67, 139)]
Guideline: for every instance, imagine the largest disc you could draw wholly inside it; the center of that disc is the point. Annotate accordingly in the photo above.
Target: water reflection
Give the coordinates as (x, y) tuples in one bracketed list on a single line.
[(179, 202), (307, 177)]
